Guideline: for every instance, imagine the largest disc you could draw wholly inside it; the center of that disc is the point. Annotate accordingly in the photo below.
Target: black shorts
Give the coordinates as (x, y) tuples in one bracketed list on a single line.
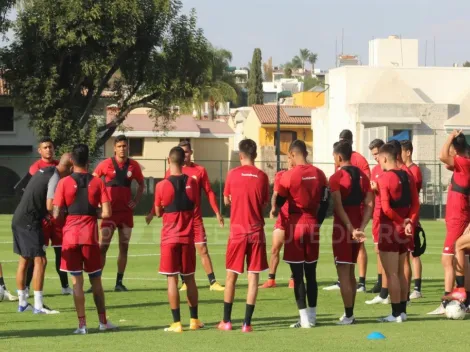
[(28, 241)]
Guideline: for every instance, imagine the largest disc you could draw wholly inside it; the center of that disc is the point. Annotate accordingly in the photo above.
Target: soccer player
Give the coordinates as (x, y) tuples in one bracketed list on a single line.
[(407, 157), (82, 194), (247, 193), (359, 161), (305, 189), (4, 294), (175, 199), (353, 203), (457, 214), (199, 173), (52, 230), (278, 233), (119, 171), (399, 213), (28, 235)]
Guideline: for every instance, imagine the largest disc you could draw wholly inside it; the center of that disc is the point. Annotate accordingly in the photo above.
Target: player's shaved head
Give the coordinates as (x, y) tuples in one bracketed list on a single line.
[(176, 156), (389, 150), (343, 149), (397, 145), (298, 147), (66, 160)]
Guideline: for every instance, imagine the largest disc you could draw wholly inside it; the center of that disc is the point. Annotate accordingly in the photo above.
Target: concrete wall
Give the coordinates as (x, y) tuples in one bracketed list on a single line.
[(215, 155), (393, 52), (267, 134), (309, 99), (252, 126)]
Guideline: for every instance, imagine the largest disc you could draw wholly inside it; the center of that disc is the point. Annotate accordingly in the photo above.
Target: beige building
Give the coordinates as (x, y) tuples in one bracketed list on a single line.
[(150, 145)]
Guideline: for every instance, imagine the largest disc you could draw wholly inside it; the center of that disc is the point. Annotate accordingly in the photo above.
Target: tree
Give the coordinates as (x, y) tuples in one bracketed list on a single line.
[(466, 64), (219, 85), (310, 82), (268, 70), (5, 6), (65, 53), (304, 56), (255, 81), (296, 63), (312, 58)]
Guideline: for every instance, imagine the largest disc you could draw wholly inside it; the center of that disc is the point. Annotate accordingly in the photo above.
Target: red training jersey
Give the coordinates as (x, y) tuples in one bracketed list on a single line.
[(248, 188), (199, 174), (418, 176), (80, 229), (277, 180), (375, 175), (458, 204), (304, 187), (178, 226), (41, 164), (341, 181), (120, 196), (359, 161), (391, 189)]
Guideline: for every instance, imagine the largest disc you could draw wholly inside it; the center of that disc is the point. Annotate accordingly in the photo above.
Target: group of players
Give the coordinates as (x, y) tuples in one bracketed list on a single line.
[(62, 200)]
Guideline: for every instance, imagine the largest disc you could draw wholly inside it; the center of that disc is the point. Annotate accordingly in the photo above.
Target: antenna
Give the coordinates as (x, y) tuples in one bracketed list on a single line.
[(401, 49), (426, 54), (434, 51), (342, 42)]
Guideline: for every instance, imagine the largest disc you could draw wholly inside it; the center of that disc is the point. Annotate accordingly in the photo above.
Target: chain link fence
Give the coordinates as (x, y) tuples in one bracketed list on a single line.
[(433, 196)]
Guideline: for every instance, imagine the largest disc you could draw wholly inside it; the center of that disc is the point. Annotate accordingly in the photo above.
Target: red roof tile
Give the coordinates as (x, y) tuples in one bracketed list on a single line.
[(267, 114)]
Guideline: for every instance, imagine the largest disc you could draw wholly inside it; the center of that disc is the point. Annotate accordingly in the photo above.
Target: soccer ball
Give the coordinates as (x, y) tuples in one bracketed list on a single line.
[(455, 310)]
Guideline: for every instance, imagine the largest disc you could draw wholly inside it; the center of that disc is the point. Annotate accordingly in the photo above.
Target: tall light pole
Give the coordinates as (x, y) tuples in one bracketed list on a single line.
[(282, 95)]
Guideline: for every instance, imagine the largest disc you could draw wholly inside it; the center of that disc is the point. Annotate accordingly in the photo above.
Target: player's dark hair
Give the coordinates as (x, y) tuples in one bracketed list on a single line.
[(177, 155), (460, 144), (396, 144), (80, 153), (185, 143), (121, 138), (407, 146), (344, 149), (45, 140), (346, 135), (249, 148), (390, 150), (299, 147), (376, 143)]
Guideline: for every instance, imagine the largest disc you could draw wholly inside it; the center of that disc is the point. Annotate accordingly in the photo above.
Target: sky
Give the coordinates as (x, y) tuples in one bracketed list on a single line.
[(281, 28)]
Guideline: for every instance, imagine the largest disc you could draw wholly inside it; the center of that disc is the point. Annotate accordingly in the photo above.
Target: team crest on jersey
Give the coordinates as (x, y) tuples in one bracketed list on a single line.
[(194, 176), (129, 174)]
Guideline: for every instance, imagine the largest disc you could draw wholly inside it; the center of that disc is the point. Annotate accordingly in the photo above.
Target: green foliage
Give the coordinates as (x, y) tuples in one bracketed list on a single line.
[(255, 82), (466, 64), (310, 82), (5, 6), (66, 54)]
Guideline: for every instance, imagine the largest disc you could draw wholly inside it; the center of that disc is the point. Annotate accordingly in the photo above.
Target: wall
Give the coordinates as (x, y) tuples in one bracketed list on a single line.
[(214, 154), (267, 134), (393, 52), (251, 127), (309, 99)]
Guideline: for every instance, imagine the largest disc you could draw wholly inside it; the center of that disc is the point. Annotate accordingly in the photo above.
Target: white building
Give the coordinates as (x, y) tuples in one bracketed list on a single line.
[(393, 52), (385, 100), (272, 89)]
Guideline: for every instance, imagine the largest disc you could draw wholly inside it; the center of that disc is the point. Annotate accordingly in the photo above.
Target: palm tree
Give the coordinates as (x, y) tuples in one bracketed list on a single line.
[(220, 84), (312, 58), (304, 56)]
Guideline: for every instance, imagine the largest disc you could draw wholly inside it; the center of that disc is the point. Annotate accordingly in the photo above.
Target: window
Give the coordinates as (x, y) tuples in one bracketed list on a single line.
[(287, 137), (368, 136), (7, 123), (136, 146), (400, 135)]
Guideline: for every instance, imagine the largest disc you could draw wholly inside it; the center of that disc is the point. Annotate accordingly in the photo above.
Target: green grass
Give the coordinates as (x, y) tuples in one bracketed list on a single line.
[(143, 312)]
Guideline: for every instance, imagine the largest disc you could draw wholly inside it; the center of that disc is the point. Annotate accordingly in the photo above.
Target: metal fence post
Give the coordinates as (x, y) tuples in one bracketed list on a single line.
[(164, 167), (220, 187), (440, 191)]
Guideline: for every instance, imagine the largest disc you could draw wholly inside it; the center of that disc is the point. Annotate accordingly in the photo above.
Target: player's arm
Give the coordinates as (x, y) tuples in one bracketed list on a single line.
[(385, 202), (227, 190), (106, 211), (324, 200), (139, 177), (445, 155), (206, 186), (414, 211), (159, 199), (339, 210), (368, 209), (51, 188), (58, 201)]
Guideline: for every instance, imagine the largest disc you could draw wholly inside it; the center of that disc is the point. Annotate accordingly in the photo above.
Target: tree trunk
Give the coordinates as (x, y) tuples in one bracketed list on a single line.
[(211, 112)]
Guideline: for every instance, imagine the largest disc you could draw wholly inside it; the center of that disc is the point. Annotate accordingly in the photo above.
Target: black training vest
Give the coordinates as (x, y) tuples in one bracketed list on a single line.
[(459, 189), (32, 207), (121, 179), (181, 201), (81, 205), (356, 196), (405, 200)]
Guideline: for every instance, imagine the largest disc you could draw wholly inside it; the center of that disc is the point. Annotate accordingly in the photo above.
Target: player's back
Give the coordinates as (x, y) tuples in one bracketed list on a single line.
[(359, 161), (418, 176), (458, 198), (248, 188), (306, 185), (398, 184)]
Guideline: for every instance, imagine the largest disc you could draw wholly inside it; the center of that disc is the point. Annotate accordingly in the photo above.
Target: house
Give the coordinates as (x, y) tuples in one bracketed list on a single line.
[(314, 98), (389, 101), (150, 145), (261, 125), (272, 89)]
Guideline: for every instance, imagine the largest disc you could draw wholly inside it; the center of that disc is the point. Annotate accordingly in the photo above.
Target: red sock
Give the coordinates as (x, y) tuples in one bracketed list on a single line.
[(81, 322), (102, 317)]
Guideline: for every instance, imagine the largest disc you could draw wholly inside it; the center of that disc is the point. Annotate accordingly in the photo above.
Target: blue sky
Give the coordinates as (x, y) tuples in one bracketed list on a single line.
[(280, 28)]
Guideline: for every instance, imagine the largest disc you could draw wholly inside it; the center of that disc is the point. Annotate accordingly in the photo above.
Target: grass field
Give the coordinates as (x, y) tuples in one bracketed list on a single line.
[(143, 312)]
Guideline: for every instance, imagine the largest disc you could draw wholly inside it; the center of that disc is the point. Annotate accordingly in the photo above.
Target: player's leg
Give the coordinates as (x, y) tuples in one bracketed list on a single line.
[(125, 234), (188, 267), (310, 270), (174, 300), (467, 282), (404, 283), (23, 265), (229, 296), (362, 264), (64, 279), (29, 276), (462, 244), (417, 273), (277, 243), (300, 294), (4, 293), (390, 262), (344, 273), (79, 301), (252, 294), (107, 232), (407, 271)]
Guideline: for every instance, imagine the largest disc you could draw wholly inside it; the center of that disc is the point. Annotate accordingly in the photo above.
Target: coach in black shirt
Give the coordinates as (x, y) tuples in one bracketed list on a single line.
[(28, 236)]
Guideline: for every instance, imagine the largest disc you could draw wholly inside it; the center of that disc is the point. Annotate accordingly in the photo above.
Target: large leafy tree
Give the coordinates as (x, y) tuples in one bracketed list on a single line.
[(67, 55), (5, 6), (219, 84), (255, 82)]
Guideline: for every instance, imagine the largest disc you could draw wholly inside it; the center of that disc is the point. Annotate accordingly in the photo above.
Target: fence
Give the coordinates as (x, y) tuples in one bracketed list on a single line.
[(433, 197)]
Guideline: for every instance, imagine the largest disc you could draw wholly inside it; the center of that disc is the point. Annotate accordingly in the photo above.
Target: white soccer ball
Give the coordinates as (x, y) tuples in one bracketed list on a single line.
[(456, 310)]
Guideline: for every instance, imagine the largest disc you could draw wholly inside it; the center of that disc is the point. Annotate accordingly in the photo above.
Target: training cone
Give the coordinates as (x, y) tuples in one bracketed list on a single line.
[(376, 336)]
